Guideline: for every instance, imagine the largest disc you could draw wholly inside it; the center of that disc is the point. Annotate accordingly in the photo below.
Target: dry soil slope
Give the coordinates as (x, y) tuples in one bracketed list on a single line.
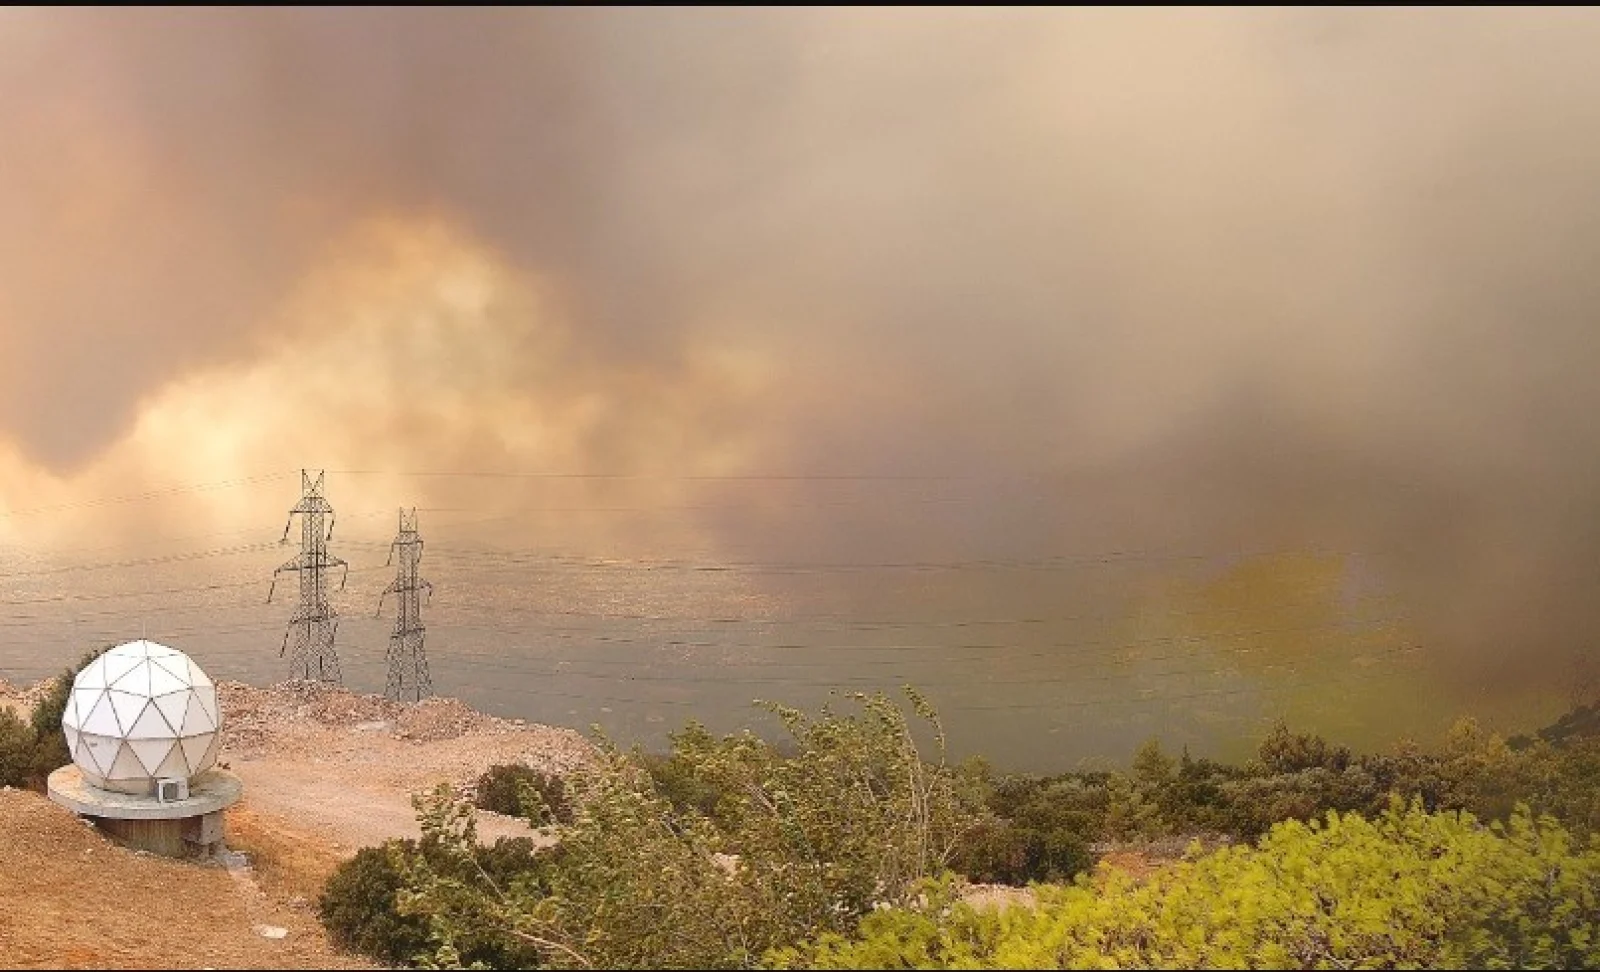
[(69, 898)]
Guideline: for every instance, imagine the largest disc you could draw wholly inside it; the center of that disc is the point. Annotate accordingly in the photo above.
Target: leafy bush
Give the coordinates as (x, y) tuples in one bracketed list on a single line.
[(1284, 752), (1562, 783), (675, 779), (728, 849), (16, 749), (360, 905), (1039, 828), (359, 909), (47, 712), (1295, 777), (1005, 852), (1408, 890), (803, 842), (503, 788), (30, 751)]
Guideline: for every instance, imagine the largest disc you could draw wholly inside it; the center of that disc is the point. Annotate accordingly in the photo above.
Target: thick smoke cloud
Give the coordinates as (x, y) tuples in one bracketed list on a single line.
[(1211, 279)]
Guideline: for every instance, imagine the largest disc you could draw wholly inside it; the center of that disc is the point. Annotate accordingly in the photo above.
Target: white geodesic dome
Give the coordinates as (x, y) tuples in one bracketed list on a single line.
[(142, 712)]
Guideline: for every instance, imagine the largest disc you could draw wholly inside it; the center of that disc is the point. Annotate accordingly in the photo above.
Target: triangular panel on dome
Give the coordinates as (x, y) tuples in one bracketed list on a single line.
[(210, 758), (135, 680), (126, 765), (116, 664), (102, 719), (197, 720), (196, 676), (151, 752), (208, 701), (163, 681), (69, 712), (195, 749), (128, 707), (174, 764), (93, 675), (97, 752), (155, 650), (173, 705), (80, 754), (72, 738), (85, 700), (152, 724), (177, 665)]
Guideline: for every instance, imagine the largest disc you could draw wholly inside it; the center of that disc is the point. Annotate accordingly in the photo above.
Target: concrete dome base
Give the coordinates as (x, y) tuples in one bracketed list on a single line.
[(179, 828)]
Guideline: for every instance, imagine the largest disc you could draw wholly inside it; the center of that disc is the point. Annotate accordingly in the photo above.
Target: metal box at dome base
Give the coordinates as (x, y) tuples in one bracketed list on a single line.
[(172, 789)]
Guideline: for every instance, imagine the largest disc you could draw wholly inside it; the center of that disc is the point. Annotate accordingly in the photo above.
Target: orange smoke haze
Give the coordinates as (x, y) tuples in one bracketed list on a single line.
[(1202, 279)]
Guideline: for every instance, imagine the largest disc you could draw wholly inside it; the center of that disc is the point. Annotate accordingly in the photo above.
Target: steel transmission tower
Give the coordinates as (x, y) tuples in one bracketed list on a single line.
[(408, 664), (312, 628)]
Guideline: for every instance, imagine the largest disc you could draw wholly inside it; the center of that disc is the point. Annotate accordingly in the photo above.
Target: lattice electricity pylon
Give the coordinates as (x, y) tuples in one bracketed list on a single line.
[(314, 624), (408, 664)]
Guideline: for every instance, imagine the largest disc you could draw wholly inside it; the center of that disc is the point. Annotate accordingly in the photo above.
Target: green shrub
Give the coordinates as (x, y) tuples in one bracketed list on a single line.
[(1006, 852), (1283, 751), (47, 749), (16, 749), (510, 858), (995, 852), (360, 905), (47, 713), (1408, 890), (732, 848), (503, 789), (1563, 783), (676, 780), (852, 818), (1040, 829)]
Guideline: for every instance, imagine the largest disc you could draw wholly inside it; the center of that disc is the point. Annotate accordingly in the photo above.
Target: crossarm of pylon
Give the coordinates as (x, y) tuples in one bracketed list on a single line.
[(286, 525), (275, 573), (394, 586)]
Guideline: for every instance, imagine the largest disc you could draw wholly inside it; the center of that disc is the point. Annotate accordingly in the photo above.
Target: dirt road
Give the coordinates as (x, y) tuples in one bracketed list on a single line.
[(320, 799)]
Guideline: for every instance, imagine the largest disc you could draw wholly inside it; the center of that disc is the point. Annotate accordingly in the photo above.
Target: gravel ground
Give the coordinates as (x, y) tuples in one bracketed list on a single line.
[(21, 700), (343, 766)]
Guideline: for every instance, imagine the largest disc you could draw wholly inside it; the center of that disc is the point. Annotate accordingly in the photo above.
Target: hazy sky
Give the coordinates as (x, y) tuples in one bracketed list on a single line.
[(1216, 280)]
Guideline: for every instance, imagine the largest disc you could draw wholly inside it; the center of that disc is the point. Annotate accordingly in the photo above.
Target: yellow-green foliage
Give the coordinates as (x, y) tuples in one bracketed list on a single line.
[(1409, 889)]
